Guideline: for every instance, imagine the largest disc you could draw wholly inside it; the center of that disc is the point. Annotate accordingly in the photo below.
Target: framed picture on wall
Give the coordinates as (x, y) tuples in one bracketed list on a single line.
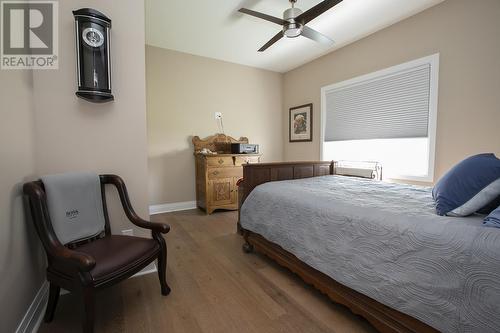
[(300, 123)]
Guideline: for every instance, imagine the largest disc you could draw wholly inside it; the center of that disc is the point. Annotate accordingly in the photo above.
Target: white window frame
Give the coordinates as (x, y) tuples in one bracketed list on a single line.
[(433, 61)]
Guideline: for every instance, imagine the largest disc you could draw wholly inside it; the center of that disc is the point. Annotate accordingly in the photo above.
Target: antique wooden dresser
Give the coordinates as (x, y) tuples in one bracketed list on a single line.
[(217, 174)]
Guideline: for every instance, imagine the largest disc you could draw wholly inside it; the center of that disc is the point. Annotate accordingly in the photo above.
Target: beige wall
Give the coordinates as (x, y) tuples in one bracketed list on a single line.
[(183, 92), (75, 135), (21, 259), (465, 33), (45, 128)]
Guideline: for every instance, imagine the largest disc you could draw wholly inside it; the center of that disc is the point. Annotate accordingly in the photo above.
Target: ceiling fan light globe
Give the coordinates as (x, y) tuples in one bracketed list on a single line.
[(292, 30)]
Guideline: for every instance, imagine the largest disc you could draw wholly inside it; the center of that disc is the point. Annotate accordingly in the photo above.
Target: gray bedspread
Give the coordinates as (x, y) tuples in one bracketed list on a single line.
[(385, 241)]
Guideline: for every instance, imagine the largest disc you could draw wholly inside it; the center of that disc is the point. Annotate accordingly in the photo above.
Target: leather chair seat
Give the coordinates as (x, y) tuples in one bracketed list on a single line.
[(116, 254)]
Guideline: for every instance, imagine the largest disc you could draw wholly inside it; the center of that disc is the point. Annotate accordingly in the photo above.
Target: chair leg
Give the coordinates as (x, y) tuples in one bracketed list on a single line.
[(54, 291), (162, 266), (88, 310)]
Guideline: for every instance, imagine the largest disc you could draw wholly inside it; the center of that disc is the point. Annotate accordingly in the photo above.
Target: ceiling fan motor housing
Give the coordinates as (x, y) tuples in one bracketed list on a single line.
[(293, 28)]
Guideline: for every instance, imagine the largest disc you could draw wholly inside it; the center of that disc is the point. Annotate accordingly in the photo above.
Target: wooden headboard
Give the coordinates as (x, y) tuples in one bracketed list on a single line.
[(259, 173)]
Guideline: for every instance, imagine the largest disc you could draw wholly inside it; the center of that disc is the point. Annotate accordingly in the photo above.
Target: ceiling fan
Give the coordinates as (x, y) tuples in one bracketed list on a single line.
[(294, 22)]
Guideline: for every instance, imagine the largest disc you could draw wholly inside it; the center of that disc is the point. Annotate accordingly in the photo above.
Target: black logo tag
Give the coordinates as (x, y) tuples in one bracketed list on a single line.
[(71, 214)]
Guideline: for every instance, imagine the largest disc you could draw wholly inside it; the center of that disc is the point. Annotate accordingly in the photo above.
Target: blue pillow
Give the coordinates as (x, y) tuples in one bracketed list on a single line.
[(469, 186), (493, 220)]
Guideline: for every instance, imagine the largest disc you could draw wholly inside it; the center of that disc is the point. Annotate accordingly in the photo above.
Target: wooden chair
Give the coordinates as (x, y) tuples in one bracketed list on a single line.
[(100, 262)]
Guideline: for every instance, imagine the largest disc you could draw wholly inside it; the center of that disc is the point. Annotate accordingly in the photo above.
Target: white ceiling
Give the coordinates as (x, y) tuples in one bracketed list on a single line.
[(214, 28)]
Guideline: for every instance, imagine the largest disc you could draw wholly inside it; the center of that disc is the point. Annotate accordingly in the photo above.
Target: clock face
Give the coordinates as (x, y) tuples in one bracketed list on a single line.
[(93, 37)]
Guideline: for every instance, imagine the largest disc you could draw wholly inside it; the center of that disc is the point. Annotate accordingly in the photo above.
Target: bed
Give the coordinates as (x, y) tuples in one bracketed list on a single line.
[(378, 248)]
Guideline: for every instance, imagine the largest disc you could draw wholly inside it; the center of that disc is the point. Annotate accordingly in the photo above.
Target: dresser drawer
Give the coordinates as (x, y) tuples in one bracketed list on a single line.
[(214, 173), (240, 160), (220, 161)]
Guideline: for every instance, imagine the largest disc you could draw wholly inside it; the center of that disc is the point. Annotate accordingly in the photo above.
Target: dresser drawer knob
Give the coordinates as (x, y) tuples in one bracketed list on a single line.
[(221, 161), (215, 173)]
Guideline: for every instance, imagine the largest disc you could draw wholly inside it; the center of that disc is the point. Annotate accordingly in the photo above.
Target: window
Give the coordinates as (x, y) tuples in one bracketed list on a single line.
[(388, 116)]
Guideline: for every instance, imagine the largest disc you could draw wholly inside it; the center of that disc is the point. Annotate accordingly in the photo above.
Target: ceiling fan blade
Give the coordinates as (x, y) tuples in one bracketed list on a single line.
[(273, 40), (262, 16), (316, 36), (317, 10)]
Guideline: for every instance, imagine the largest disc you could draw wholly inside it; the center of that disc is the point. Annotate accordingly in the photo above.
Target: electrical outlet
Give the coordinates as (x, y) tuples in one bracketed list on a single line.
[(218, 115), (128, 232)]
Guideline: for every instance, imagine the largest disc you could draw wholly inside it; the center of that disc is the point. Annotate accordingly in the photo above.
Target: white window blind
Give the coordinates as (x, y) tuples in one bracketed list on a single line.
[(392, 105)]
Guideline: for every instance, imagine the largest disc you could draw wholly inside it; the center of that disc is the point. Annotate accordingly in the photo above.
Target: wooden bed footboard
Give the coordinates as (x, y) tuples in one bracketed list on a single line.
[(382, 317)]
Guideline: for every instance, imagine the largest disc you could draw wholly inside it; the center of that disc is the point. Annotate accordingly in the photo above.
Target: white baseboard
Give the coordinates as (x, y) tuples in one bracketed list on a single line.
[(33, 317), (171, 207), (151, 268)]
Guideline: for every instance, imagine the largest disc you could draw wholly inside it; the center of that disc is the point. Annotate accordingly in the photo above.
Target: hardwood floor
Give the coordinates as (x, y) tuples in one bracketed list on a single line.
[(215, 288)]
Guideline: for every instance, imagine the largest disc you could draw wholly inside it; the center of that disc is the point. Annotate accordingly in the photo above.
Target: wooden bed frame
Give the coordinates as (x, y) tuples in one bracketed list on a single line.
[(382, 317)]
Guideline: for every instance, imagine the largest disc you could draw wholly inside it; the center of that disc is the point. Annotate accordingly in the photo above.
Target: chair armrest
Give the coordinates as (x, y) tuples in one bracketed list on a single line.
[(127, 206), (153, 226), (72, 259)]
